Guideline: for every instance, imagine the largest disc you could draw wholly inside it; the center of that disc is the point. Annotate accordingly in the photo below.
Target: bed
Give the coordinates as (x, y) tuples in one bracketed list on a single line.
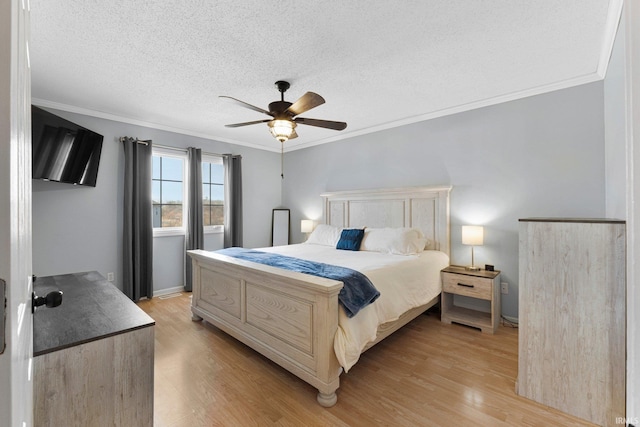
[(295, 319)]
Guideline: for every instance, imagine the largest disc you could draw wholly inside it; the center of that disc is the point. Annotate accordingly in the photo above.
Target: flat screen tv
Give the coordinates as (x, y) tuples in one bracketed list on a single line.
[(63, 151)]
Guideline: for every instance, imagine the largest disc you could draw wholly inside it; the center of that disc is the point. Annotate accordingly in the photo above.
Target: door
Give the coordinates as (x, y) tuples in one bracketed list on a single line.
[(16, 398)]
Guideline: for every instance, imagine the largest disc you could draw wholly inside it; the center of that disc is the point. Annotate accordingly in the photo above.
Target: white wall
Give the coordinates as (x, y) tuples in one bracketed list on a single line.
[(539, 156), (80, 228), (622, 116), (620, 182), (630, 33)]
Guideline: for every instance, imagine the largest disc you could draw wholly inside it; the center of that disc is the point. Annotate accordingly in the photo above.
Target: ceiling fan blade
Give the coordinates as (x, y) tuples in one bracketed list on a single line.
[(305, 103), (249, 106), (321, 123), (237, 125)]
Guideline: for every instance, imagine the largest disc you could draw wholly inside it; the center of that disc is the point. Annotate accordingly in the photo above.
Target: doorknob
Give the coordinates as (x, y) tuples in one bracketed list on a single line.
[(53, 299)]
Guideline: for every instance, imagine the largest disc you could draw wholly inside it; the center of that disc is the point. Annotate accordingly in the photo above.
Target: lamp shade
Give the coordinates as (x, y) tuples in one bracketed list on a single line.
[(472, 235), (281, 129), (306, 226)]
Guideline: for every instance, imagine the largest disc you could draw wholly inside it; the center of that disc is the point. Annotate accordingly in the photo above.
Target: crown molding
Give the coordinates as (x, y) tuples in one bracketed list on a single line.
[(565, 84), (108, 116)]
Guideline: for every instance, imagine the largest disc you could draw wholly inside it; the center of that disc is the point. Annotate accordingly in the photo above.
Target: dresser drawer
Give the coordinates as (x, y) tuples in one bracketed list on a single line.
[(460, 284)]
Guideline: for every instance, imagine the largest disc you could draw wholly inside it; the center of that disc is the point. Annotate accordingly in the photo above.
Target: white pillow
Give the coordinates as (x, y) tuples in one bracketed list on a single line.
[(400, 241), (324, 234)]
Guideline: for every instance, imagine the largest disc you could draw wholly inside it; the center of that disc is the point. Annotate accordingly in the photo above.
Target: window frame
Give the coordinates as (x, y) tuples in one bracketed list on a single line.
[(211, 158), (178, 154)]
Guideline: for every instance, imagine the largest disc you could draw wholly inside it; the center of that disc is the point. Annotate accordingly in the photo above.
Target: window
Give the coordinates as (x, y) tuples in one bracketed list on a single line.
[(212, 193), (168, 190)]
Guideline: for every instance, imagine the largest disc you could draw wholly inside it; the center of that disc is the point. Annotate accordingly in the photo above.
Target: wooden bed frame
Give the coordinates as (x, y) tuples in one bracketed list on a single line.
[(291, 318)]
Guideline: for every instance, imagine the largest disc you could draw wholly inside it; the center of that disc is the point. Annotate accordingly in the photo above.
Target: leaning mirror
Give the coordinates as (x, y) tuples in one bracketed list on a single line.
[(280, 227)]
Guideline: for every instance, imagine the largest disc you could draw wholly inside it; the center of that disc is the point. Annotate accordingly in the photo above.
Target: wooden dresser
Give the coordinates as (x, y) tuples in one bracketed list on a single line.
[(93, 355), (572, 316)]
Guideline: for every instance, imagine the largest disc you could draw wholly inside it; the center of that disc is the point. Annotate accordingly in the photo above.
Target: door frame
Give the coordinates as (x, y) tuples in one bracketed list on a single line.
[(15, 214)]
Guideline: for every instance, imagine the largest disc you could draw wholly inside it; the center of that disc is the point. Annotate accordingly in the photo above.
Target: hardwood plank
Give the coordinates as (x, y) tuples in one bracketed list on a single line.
[(426, 374)]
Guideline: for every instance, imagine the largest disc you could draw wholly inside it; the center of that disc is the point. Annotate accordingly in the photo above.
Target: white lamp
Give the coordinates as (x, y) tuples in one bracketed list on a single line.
[(306, 226), (472, 235)]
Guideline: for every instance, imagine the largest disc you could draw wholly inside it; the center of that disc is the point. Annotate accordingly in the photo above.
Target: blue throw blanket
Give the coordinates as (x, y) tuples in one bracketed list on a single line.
[(357, 292)]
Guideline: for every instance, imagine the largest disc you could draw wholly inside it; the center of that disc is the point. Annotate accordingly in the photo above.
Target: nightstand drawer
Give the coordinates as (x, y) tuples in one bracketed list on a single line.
[(460, 284)]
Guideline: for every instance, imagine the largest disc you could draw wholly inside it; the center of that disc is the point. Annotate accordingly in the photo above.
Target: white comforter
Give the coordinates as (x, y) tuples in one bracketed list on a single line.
[(404, 282)]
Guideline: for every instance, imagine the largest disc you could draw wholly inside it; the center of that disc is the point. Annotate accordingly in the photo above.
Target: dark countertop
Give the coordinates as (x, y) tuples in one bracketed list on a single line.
[(92, 308)]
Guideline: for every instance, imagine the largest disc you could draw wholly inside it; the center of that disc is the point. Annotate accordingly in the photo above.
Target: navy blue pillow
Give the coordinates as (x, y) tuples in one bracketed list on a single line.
[(350, 239)]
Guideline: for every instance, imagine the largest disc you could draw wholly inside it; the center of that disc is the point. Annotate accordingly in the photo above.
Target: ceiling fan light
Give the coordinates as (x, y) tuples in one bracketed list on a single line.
[(281, 129)]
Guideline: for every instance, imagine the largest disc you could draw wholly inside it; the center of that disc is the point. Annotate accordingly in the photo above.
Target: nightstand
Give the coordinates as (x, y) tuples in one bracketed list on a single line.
[(484, 285)]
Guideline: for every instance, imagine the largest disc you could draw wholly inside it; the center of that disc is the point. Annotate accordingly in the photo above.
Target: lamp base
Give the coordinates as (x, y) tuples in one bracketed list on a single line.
[(472, 267)]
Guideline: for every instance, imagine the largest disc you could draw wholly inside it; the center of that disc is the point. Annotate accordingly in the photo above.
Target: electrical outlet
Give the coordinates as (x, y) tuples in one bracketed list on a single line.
[(110, 277), (504, 286)]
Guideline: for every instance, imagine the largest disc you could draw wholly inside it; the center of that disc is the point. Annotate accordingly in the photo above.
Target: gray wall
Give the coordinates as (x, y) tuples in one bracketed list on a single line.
[(615, 127), (539, 156), (80, 228)]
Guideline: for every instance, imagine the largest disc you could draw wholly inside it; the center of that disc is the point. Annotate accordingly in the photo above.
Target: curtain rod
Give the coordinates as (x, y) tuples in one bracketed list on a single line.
[(184, 150), (166, 147), (139, 141)]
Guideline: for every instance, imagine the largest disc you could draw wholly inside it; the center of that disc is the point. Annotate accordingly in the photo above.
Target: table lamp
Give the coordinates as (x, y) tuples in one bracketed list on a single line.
[(472, 235), (306, 226)]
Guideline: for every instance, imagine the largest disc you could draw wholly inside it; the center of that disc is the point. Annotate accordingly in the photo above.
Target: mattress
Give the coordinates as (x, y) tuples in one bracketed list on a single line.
[(404, 282)]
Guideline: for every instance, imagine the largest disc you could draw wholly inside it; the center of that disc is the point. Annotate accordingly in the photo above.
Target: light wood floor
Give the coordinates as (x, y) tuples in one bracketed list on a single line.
[(426, 374)]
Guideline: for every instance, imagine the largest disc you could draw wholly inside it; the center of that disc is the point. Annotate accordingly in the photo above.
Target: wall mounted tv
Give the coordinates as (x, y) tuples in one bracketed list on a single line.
[(63, 151)]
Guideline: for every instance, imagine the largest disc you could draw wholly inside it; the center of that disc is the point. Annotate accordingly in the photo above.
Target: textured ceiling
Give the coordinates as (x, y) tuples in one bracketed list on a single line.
[(378, 64)]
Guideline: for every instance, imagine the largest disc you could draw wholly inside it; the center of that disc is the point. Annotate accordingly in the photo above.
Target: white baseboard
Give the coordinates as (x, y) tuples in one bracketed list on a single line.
[(167, 291)]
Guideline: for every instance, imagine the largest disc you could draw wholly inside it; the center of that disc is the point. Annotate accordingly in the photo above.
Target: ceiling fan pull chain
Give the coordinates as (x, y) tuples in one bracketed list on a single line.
[(282, 160)]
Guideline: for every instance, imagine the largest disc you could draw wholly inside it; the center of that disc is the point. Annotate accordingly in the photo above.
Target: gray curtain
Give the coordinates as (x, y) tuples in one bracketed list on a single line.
[(138, 227), (233, 200), (195, 226)]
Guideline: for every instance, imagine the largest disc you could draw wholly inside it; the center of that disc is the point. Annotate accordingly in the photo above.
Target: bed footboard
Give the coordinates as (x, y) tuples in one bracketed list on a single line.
[(290, 318)]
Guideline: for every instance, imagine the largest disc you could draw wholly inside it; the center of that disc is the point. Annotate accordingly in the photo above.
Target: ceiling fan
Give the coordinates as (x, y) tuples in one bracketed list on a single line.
[(285, 114)]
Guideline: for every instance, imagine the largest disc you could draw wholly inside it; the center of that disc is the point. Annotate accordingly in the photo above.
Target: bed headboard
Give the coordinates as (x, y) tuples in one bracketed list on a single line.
[(426, 208)]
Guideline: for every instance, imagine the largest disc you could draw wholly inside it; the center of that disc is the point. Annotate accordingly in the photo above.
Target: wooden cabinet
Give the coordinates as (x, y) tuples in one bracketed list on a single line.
[(572, 316), (93, 356), (484, 285)]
